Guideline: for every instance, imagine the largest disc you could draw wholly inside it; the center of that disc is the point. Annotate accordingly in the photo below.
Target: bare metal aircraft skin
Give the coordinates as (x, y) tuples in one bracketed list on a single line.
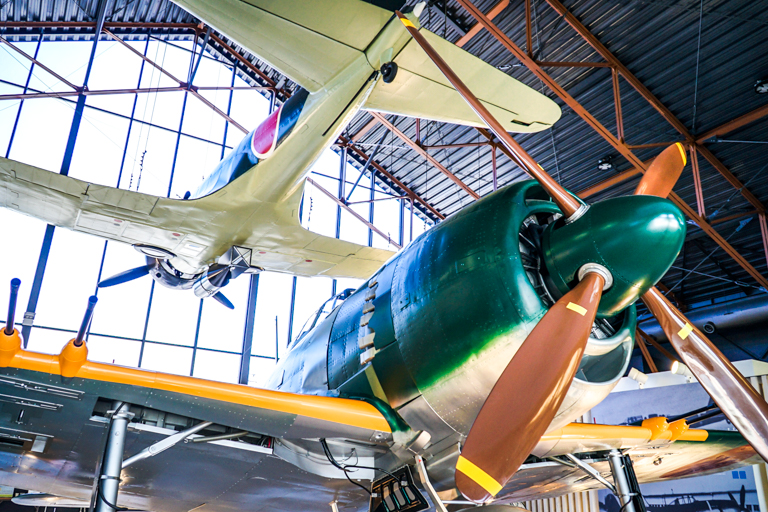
[(396, 373)]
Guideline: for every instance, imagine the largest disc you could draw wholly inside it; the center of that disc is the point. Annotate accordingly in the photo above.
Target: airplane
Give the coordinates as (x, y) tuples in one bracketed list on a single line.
[(456, 369), (244, 217)]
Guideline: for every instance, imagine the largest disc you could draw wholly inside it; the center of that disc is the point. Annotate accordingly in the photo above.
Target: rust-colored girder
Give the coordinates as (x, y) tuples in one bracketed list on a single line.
[(697, 181), (764, 232), (733, 124), (410, 193), (39, 64), (646, 355), (495, 11), (551, 64), (391, 127), (617, 105), (365, 129), (656, 344), (603, 132), (606, 54), (359, 217)]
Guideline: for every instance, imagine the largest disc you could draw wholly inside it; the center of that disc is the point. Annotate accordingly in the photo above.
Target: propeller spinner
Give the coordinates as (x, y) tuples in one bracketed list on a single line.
[(509, 424)]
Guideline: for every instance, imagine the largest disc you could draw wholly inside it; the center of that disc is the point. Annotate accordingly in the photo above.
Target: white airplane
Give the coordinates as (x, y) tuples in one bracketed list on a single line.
[(345, 55)]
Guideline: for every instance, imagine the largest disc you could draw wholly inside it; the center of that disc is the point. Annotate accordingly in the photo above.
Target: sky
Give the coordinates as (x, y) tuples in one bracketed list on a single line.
[(129, 140)]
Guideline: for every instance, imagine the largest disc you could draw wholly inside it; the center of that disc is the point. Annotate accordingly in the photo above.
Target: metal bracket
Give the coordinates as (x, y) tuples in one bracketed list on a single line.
[(439, 506), (588, 470), (161, 446)]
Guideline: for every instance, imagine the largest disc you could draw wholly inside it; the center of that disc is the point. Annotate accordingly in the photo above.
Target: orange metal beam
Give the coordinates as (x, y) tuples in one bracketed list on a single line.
[(764, 232), (603, 132), (697, 181), (391, 127), (495, 11), (551, 64), (732, 125), (410, 193), (617, 105), (356, 215), (646, 355), (654, 343), (595, 43), (365, 129)]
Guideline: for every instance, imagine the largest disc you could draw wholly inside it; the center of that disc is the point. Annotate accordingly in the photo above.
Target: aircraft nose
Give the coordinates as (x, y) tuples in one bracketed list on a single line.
[(637, 238)]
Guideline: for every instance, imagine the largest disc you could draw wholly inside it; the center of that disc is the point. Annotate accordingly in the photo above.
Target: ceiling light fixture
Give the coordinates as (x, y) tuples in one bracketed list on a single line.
[(761, 87), (604, 164)]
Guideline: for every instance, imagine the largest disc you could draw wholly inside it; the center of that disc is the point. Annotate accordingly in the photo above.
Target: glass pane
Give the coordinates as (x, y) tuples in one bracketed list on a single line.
[(311, 292), (167, 359), (70, 278), (217, 366), (273, 303), (48, 341), (260, 371), (222, 328), (103, 349), (26, 234), (42, 144), (173, 316), (99, 148)]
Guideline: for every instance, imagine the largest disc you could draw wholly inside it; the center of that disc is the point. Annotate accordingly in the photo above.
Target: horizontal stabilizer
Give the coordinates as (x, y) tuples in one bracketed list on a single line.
[(420, 90)]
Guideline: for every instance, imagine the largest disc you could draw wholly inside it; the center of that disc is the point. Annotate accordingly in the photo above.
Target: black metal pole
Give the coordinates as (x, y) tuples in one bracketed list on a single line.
[(15, 283), (92, 300)]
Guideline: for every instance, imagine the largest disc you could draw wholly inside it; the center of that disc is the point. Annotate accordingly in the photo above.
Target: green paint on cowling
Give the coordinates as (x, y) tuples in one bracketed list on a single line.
[(637, 238), (470, 265)]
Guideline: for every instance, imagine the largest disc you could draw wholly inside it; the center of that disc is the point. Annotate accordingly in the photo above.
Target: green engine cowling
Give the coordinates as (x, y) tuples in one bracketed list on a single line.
[(637, 238)]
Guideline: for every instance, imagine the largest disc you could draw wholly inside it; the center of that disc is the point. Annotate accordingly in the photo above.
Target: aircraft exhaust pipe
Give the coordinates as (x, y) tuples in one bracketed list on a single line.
[(92, 300), (15, 284)]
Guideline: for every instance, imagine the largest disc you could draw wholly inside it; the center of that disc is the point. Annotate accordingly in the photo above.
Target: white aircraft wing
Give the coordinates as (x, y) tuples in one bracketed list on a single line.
[(310, 41), (195, 230)]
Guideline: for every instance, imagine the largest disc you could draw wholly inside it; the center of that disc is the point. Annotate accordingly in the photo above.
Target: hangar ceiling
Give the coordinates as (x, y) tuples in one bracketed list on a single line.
[(683, 70)]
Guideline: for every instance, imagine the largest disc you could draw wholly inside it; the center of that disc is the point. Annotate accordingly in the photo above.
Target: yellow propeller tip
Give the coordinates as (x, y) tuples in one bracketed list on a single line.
[(407, 22), (682, 153)]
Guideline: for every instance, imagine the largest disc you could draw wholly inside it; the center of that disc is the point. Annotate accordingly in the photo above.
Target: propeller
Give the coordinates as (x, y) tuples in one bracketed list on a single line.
[(221, 299), (124, 277), (735, 397), (511, 423), (663, 172), (498, 441)]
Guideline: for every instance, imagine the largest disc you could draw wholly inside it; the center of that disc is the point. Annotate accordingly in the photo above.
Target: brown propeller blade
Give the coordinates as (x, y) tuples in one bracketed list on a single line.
[(528, 394), (663, 172), (738, 400), (565, 201)]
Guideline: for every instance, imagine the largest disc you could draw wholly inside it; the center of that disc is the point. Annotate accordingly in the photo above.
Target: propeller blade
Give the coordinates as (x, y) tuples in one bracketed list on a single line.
[(663, 172), (221, 299), (564, 200), (124, 277), (528, 394), (735, 397)]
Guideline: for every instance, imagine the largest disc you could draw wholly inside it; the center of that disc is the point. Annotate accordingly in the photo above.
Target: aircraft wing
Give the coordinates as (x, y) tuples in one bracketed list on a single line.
[(55, 445), (695, 453), (195, 230), (310, 41), (53, 430), (421, 90)]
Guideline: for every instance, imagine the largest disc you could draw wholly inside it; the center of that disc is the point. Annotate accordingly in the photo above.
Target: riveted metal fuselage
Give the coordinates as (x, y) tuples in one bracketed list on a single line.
[(432, 331)]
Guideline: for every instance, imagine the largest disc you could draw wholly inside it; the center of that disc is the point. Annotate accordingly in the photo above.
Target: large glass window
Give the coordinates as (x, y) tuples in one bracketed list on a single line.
[(164, 144)]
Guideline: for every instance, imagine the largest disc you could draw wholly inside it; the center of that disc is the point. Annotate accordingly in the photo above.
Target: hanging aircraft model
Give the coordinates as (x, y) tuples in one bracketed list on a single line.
[(464, 358)]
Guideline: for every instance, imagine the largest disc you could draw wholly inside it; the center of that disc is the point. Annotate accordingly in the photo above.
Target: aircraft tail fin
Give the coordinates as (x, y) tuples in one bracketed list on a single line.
[(420, 90)]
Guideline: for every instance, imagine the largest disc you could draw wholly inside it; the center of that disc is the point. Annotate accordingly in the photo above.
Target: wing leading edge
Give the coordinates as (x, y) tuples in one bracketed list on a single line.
[(197, 231)]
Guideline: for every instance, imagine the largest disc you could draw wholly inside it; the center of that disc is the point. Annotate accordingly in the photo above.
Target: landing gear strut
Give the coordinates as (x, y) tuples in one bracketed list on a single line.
[(109, 477), (625, 482)]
